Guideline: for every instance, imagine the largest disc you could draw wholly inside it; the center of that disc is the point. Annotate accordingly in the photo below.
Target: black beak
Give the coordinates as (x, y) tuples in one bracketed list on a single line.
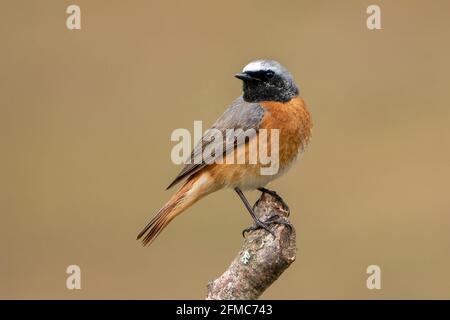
[(245, 76)]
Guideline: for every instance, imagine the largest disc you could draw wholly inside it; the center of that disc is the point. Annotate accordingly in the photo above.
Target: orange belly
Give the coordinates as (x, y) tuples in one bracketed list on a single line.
[(293, 121)]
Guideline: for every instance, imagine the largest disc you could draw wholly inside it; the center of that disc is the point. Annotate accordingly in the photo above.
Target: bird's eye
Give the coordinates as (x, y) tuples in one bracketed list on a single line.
[(270, 74)]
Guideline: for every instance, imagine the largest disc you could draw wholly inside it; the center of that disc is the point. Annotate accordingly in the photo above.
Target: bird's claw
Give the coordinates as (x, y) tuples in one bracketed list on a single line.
[(259, 225), (276, 219)]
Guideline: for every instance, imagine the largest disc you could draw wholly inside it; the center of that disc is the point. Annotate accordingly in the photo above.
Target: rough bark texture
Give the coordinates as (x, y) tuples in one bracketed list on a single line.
[(262, 259)]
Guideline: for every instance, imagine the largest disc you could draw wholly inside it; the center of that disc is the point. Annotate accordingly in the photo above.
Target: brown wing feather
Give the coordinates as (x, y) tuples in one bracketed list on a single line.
[(240, 115)]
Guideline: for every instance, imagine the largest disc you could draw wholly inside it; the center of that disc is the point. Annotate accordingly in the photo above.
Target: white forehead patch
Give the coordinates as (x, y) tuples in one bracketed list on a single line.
[(256, 66)]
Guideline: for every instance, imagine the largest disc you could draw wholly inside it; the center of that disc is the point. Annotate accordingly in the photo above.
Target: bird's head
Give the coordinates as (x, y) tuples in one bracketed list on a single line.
[(267, 80)]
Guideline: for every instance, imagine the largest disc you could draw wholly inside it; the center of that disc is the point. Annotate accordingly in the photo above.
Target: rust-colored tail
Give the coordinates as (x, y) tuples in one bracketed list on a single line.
[(193, 190)]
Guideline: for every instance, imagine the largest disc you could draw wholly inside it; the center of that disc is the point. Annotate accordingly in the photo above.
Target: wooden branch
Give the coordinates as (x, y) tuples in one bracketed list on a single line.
[(262, 259)]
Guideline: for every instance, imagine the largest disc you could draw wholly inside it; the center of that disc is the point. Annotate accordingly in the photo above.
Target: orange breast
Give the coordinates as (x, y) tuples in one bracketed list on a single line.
[(294, 122)]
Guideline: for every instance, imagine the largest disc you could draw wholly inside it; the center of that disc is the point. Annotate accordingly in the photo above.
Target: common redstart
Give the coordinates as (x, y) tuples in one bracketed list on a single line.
[(270, 101)]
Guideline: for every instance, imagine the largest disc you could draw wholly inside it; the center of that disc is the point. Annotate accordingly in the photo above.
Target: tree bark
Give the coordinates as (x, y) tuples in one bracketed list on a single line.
[(262, 259)]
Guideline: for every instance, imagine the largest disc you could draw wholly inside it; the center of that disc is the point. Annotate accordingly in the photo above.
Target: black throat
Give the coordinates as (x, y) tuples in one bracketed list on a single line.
[(257, 91)]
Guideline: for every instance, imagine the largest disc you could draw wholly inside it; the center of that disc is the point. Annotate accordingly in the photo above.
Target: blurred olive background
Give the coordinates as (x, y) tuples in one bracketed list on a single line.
[(85, 124)]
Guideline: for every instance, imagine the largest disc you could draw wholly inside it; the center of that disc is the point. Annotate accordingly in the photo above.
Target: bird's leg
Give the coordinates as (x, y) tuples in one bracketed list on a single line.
[(258, 223), (277, 197)]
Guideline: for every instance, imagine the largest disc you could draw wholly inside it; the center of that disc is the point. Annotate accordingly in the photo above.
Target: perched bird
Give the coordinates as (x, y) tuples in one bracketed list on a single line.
[(270, 101)]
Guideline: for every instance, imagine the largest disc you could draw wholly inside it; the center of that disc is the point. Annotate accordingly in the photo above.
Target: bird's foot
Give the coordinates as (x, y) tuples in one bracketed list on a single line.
[(277, 197), (275, 219)]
